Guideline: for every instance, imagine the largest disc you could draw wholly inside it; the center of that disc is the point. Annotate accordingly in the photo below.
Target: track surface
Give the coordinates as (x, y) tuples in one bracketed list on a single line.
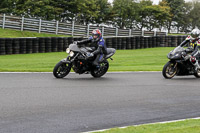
[(38, 102)]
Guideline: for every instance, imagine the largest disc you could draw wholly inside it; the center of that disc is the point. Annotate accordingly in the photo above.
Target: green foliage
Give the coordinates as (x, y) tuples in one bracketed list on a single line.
[(132, 14), (152, 16), (125, 13), (177, 12), (6, 6), (195, 15)]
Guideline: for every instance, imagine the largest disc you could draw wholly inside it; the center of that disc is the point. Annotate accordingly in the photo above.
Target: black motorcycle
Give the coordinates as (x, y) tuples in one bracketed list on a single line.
[(179, 64), (80, 63)]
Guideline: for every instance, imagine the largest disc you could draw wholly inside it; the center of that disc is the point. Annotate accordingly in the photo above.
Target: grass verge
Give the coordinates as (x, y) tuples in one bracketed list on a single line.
[(8, 33), (186, 126), (150, 59)]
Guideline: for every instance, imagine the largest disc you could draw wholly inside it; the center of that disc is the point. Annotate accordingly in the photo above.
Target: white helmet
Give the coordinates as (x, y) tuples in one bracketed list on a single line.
[(195, 33)]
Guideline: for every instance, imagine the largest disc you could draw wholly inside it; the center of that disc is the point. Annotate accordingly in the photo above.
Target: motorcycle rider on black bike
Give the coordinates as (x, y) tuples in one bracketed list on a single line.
[(97, 44), (194, 40)]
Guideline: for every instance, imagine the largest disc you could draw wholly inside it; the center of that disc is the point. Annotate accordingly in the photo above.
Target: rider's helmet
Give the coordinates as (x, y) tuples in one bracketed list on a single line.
[(195, 33), (96, 34)]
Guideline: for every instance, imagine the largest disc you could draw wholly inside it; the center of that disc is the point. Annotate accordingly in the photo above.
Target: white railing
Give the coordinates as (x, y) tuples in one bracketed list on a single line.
[(56, 27)]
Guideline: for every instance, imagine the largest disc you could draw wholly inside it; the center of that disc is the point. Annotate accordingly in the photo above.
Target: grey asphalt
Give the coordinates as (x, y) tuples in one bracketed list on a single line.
[(40, 103)]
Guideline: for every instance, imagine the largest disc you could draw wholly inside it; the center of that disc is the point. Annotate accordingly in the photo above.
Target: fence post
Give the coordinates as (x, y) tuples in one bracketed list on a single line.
[(4, 20), (142, 32), (116, 34), (40, 23), (88, 30), (129, 32), (22, 26), (102, 31), (57, 27), (166, 33), (73, 27), (155, 32)]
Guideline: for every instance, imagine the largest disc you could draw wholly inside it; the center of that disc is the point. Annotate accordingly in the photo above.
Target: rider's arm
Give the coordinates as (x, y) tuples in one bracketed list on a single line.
[(184, 43), (89, 40)]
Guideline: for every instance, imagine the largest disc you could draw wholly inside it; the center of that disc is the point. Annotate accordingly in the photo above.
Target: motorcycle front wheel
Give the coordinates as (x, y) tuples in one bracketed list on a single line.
[(61, 69), (197, 73), (99, 72), (170, 70)]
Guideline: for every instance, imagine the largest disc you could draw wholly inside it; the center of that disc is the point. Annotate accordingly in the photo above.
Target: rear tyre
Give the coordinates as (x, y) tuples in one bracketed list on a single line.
[(99, 72), (61, 69), (169, 70)]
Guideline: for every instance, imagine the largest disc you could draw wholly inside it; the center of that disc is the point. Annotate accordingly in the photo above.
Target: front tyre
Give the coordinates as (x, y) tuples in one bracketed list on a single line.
[(197, 73), (170, 70), (98, 72), (61, 69)]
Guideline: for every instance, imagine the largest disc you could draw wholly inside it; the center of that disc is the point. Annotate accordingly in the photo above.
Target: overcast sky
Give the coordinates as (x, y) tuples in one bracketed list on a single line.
[(154, 1)]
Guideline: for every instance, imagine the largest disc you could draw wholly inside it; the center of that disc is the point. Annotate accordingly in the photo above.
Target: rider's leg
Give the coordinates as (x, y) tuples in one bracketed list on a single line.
[(98, 59), (195, 61)]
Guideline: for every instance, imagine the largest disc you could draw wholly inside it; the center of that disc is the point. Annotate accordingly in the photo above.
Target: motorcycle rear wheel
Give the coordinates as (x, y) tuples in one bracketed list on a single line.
[(99, 72), (169, 70), (61, 69)]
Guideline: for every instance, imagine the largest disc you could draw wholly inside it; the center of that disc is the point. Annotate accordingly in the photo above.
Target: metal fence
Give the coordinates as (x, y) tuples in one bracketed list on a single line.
[(56, 27)]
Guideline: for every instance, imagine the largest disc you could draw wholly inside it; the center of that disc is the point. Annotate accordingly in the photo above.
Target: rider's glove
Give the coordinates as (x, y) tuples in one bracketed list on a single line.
[(76, 42)]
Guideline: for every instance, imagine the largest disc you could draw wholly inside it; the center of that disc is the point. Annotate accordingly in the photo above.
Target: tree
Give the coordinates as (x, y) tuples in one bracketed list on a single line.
[(152, 16), (195, 15), (45, 9), (104, 11), (6, 6), (177, 12), (185, 21), (165, 15), (125, 12), (86, 11)]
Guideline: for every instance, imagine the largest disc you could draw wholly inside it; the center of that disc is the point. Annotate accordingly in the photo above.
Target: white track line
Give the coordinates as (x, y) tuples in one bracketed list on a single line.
[(102, 130), (107, 72)]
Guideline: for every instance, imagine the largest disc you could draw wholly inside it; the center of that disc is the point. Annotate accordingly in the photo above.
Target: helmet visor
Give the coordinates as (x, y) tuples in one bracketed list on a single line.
[(194, 35), (95, 36)]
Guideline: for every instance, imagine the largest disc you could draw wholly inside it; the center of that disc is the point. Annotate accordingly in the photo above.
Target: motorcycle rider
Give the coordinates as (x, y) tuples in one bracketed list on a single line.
[(98, 44), (194, 40)]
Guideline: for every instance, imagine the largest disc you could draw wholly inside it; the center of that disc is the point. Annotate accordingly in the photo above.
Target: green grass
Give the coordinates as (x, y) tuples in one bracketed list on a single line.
[(150, 59), (177, 34), (8, 33), (187, 126)]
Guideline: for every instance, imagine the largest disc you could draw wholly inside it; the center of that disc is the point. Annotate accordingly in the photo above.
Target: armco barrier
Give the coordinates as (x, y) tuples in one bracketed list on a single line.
[(59, 44), (2, 46), (35, 45), (16, 46), (8, 45)]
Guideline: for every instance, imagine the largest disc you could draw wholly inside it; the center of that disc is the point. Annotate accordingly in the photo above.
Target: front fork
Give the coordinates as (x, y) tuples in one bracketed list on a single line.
[(175, 65), (69, 59), (66, 60)]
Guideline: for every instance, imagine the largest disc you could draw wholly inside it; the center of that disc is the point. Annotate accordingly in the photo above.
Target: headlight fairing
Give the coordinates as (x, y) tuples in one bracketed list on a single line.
[(71, 54)]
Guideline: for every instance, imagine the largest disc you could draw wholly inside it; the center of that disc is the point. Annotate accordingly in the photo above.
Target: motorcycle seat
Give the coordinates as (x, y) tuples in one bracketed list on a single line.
[(110, 52)]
